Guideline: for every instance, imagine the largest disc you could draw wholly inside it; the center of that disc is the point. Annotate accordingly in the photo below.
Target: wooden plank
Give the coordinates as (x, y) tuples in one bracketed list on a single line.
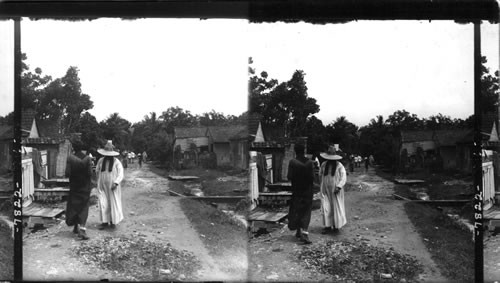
[(401, 197), (492, 214), (282, 193), (220, 199), (175, 193), (51, 190), (45, 212), (182, 178), (408, 181), (266, 216)]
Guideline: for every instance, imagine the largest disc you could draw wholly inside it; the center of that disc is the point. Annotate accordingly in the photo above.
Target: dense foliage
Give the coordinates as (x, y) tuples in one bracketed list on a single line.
[(61, 102), (288, 104)]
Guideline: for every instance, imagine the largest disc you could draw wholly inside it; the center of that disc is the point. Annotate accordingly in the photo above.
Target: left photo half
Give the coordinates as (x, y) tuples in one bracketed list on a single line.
[(134, 136)]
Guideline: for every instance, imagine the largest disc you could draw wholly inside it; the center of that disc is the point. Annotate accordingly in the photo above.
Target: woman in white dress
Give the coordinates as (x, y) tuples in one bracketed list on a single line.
[(333, 178), (109, 172)]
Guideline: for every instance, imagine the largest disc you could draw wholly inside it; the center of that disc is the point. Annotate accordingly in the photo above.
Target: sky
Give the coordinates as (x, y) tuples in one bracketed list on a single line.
[(363, 69), (358, 70), (137, 67)]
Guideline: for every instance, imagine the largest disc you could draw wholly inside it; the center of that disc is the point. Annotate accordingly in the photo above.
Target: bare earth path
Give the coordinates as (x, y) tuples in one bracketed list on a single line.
[(491, 254), (149, 213), (372, 216)]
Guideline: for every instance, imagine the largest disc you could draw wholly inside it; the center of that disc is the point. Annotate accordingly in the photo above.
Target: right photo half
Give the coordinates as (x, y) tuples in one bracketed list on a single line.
[(361, 141), (490, 123)]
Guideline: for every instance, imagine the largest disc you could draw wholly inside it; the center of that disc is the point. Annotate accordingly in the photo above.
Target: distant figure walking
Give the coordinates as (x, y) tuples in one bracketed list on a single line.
[(124, 158), (79, 171), (109, 176), (371, 160), (333, 179), (139, 159), (301, 174), (367, 164)]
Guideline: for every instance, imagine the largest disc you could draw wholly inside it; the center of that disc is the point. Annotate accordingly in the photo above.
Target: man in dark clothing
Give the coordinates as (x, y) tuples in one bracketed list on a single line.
[(79, 171), (139, 158), (301, 174)]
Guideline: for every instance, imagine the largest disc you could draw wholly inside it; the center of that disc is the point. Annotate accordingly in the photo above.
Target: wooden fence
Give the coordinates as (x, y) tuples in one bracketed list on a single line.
[(488, 185), (28, 181)]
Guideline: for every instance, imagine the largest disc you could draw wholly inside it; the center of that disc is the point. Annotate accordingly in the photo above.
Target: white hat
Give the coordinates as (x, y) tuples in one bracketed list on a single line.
[(108, 149), (331, 154)]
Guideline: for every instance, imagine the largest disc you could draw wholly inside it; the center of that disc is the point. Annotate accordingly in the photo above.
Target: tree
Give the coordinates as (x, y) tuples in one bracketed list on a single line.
[(177, 117), (90, 129), (489, 88), (259, 90), (7, 119), (440, 122), (213, 118), (403, 120), (315, 132), (32, 85), (117, 129), (344, 133), (63, 98), (286, 103)]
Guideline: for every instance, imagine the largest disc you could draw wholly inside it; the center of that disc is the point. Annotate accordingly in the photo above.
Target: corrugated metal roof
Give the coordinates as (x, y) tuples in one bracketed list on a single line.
[(6, 132), (253, 123), (450, 137), (416, 136), (44, 140), (27, 117), (225, 133), (487, 121), (190, 132)]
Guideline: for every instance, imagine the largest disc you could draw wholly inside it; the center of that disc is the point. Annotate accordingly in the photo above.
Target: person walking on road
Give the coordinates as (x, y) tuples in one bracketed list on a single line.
[(79, 171), (139, 159), (109, 176), (301, 174), (333, 178)]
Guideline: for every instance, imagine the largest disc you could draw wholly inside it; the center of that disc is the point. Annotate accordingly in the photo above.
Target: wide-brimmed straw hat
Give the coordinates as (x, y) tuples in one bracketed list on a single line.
[(108, 150), (331, 154)]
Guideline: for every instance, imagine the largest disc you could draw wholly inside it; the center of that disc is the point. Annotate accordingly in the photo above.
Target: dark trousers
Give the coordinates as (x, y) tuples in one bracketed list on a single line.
[(299, 215)]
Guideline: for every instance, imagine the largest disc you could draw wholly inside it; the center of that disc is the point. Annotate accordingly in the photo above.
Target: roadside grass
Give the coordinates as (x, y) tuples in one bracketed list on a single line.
[(450, 246), (225, 188), (6, 254), (230, 182), (439, 186), (219, 232)]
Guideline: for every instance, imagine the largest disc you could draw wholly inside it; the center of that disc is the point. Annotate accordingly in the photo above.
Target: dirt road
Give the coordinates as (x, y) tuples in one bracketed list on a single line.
[(149, 213), (372, 216), (491, 254)]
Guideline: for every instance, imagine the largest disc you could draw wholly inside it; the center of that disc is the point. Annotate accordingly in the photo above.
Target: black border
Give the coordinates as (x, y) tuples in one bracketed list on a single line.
[(312, 11), (477, 160), (16, 157)]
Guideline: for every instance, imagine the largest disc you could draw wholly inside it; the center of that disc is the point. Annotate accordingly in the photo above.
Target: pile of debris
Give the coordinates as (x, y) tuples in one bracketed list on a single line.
[(359, 262), (138, 259)]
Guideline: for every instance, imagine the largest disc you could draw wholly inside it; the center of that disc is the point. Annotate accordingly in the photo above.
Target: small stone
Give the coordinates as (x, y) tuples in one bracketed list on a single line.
[(385, 275), (182, 277), (165, 271), (272, 277)]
